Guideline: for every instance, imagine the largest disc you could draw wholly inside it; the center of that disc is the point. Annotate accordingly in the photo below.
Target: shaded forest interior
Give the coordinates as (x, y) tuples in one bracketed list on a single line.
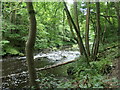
[(92, 28)]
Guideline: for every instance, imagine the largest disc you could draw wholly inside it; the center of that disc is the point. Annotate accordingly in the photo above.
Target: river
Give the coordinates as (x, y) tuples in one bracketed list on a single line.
[(12, 66)]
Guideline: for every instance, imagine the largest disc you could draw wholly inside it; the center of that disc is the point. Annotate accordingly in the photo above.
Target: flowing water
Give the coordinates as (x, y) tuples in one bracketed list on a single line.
[(12, 66)]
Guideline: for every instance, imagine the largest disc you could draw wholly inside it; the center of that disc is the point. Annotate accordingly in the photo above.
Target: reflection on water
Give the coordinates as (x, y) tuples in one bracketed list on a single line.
[(18, 65), (13, 66)]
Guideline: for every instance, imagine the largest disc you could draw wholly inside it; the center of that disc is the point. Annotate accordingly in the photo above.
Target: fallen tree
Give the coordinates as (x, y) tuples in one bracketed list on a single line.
[(41, 69), (55, 65)]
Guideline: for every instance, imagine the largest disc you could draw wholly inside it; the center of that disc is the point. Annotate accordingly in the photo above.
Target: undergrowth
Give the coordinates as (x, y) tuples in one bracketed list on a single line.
[(80, 75)]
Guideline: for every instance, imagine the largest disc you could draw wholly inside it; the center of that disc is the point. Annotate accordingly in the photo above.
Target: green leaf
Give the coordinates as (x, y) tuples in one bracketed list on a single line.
[(12, 50)]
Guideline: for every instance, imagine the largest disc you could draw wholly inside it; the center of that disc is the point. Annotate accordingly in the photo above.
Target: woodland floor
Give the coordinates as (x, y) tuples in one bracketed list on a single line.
[(115, 74)]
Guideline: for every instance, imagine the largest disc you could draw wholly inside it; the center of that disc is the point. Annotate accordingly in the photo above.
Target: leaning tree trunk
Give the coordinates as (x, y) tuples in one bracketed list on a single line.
[(77, 33), (77, 25), (87, 30), (30, 45), (71, 29), (97, 39)]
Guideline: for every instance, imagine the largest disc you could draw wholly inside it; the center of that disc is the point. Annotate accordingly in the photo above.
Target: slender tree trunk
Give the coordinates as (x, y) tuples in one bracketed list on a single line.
[(1, 35), (76, 15), (87, 30), (103, 35), (71, 29), (94, 43), (94, 27), (77, 25), (30, 45), (119, 24), (77, 32), (97, 39), (63, 25), (93, 23), (11, 12)]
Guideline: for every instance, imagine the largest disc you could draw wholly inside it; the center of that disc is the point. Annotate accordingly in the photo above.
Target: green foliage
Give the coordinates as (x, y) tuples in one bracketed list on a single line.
[(89, 76), (12, 39), (46, 81), (50, 31), (53, 31), (11, 50), (3, 43), (100, 65), (66, 85), (14, 32)]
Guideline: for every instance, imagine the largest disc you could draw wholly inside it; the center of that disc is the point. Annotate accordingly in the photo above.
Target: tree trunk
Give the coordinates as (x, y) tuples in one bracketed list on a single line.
[(103, 34), (77, 32), (97, 39), (30, 45), (71, 29), (77, 25), (1, 47), (56, 65), (76, 15), (87, 30), (12, 13)]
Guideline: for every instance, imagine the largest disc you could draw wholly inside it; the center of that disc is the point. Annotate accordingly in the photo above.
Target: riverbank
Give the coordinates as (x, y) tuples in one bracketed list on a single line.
[(13, 66), (58, 77), (44, 50)]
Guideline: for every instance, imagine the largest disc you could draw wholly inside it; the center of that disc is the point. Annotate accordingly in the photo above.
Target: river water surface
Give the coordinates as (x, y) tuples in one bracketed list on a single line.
[(12, 66)]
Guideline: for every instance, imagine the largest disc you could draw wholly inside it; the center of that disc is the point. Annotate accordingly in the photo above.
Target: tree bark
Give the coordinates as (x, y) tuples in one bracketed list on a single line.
[(77, 25), (71, 29), (30, 45), (76, 15), (56, 65), (97, 39), (77, 33), (87, 30), (103, 34)]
